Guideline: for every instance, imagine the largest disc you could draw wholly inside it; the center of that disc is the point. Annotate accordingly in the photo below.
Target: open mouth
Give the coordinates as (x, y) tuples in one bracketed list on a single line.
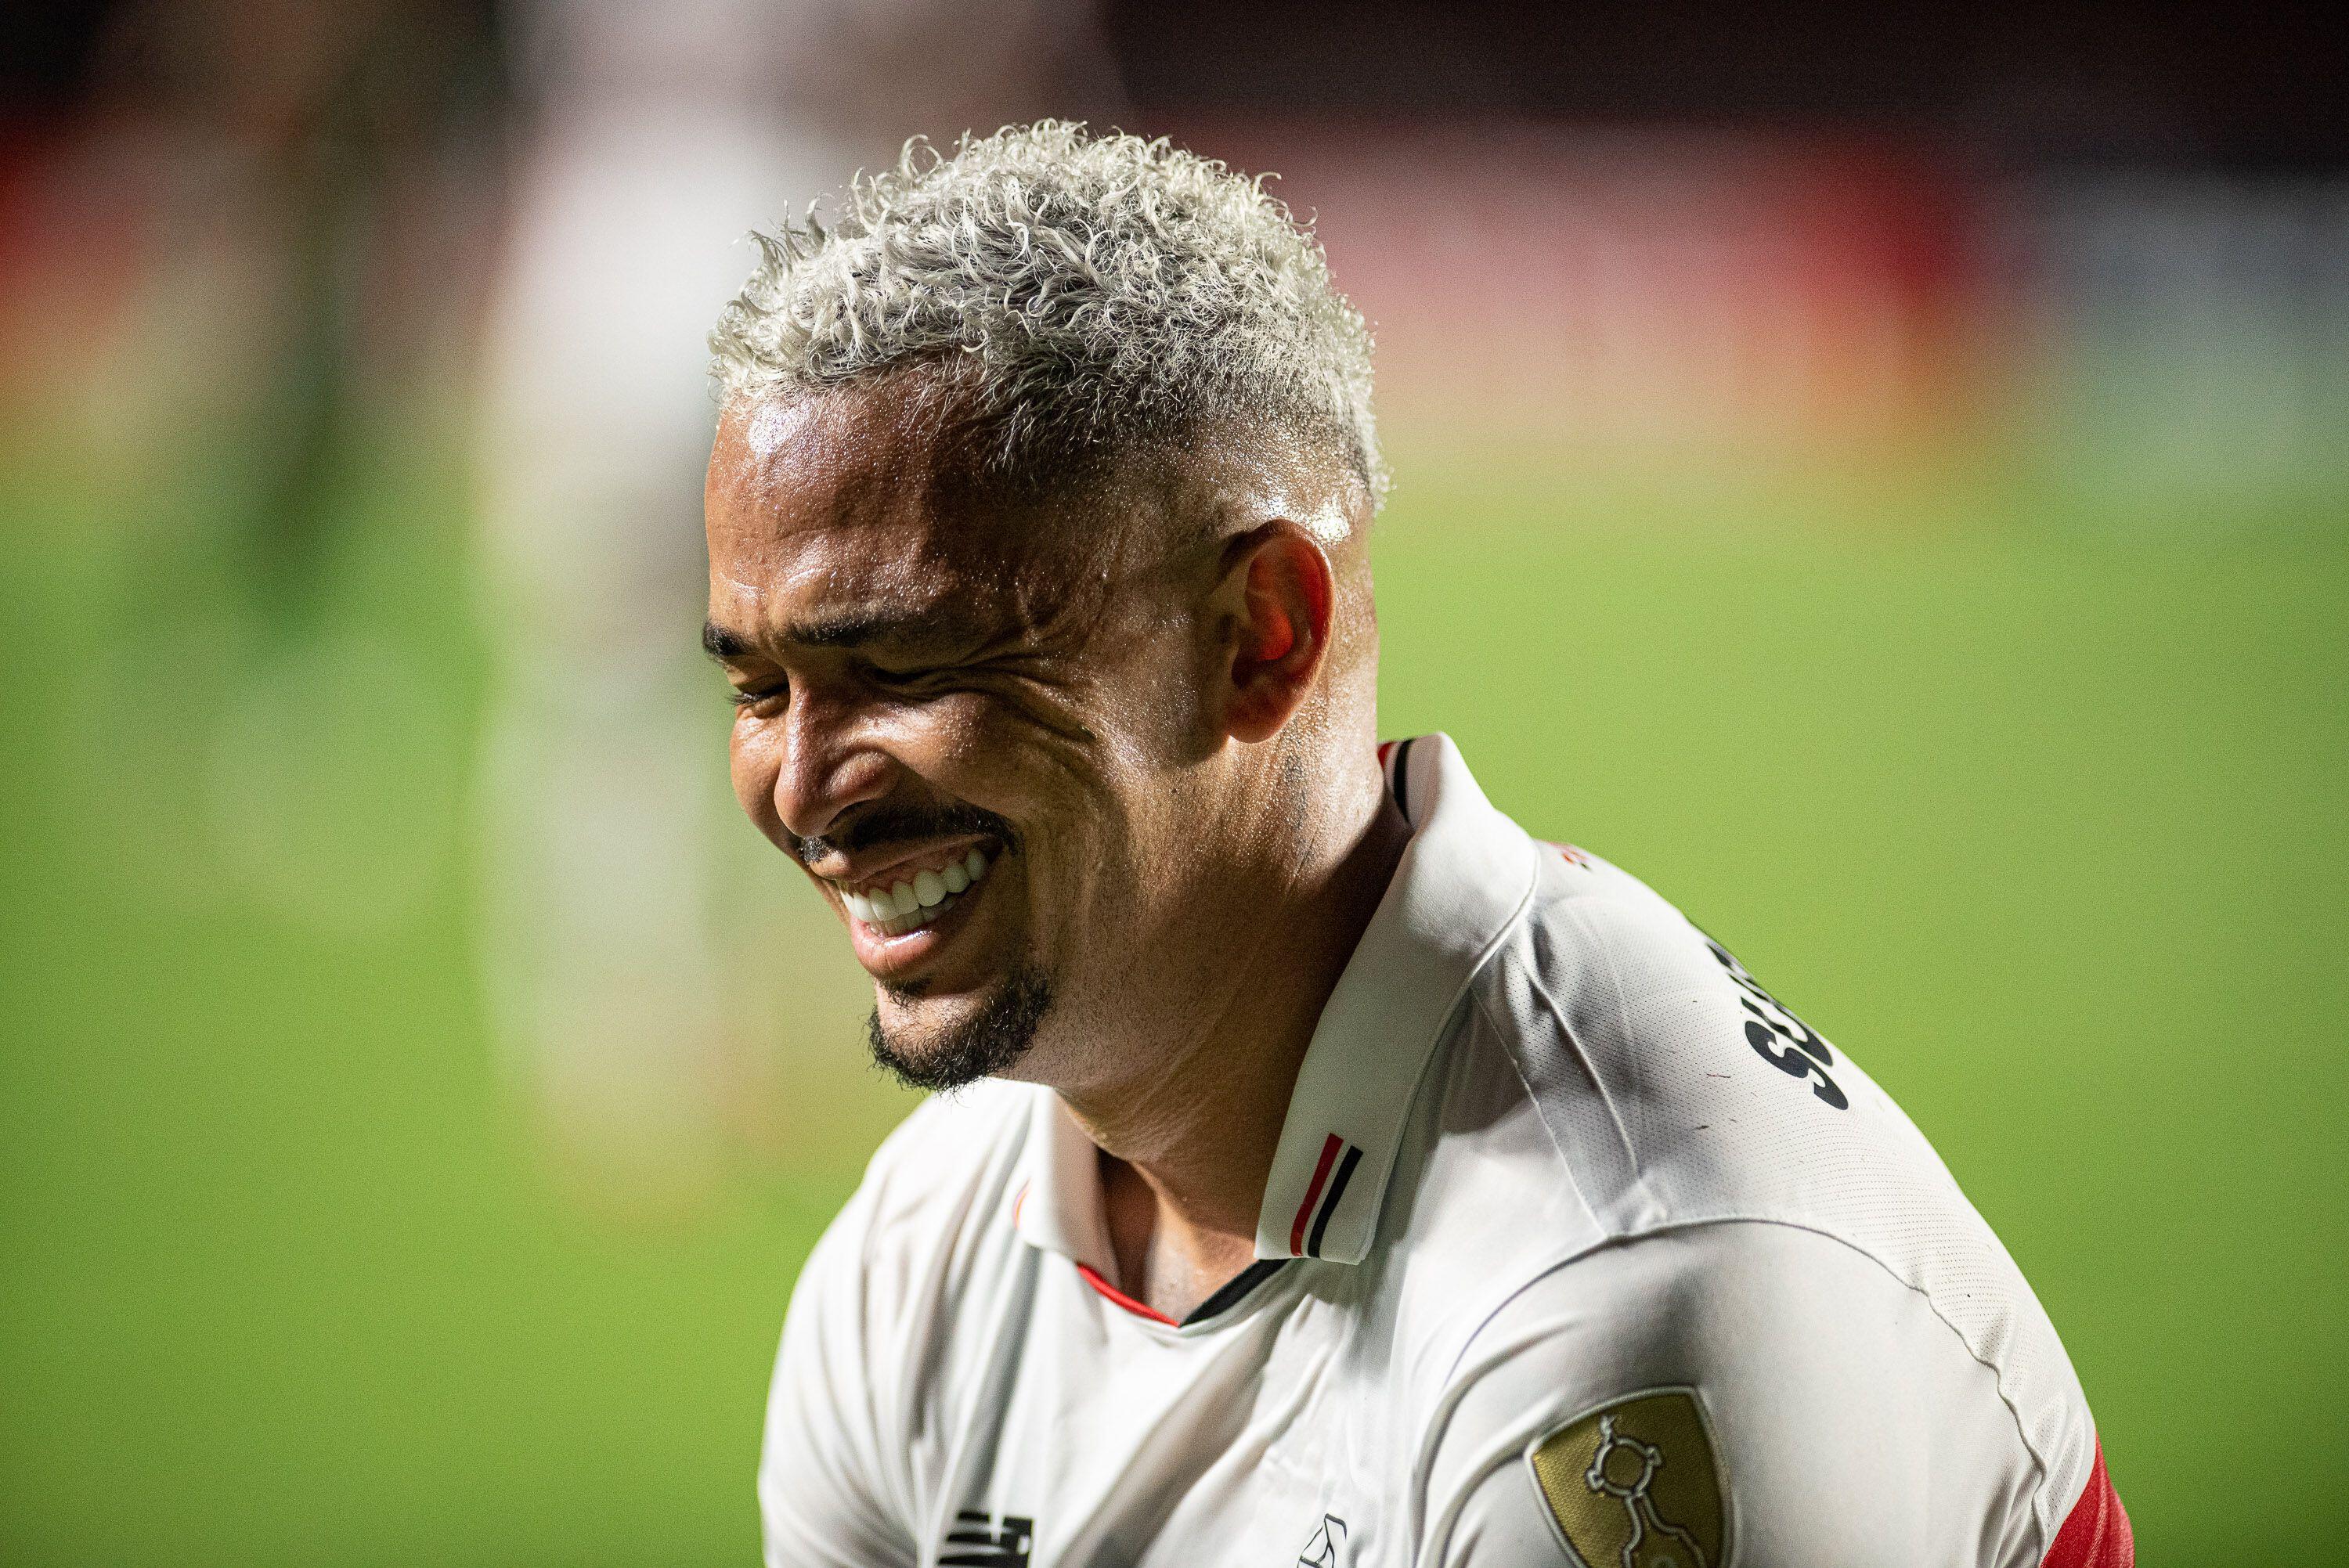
[(909, 896)]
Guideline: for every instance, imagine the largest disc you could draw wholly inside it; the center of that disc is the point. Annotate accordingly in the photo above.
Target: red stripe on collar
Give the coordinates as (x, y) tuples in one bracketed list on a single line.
[(1092, 1277), (1330, 1147)]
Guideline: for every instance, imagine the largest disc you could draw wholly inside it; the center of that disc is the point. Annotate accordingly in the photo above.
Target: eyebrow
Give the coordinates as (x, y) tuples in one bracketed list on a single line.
[(848, 631)]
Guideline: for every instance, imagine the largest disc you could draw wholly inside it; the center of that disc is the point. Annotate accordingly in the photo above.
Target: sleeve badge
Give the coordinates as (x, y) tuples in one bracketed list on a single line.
[(1634, 1484)]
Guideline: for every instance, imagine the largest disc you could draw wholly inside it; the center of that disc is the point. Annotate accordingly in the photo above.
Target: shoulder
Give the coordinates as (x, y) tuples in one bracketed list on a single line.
[(1679, 1093), (1781, 1396), (932, 1220), (936, 1188), (1676, 1087), (950, 1146), (929, 1226)]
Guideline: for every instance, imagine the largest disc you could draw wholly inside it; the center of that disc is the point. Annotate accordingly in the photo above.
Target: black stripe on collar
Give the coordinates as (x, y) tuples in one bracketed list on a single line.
[(1402, 778), (1235, 1290)]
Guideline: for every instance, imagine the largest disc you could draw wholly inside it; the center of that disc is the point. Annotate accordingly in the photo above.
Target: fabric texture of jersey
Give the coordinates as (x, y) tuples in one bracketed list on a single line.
[(1574, 1235)]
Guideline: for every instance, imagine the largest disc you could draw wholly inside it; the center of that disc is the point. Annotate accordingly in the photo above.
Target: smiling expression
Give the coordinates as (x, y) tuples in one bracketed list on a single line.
[(968, 721)]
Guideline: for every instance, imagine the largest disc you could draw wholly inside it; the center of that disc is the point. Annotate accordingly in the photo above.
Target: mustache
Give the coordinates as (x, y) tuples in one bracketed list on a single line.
[(881, 823)]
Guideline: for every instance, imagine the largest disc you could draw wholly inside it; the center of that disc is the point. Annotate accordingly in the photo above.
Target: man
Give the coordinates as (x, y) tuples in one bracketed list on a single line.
[(1331, 1173)]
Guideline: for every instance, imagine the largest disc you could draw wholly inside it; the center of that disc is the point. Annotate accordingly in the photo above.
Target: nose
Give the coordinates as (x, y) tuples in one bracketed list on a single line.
[(825, 768)]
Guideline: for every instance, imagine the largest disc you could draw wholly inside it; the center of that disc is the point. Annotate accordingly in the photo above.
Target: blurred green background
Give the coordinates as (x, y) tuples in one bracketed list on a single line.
[(2047, 832), (1915, 539)]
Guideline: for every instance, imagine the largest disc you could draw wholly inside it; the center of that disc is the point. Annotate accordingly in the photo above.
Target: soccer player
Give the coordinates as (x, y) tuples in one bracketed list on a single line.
[(1327, 1171)]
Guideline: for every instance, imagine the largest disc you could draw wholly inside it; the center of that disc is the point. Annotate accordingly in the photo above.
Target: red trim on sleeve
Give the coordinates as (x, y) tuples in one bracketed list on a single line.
[(1330, 1147), (1384, 746), (1092, 1277), (2095, 1534)]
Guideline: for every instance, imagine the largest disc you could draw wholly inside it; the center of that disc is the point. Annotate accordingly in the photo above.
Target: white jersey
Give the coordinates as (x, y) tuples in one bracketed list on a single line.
[(1577, 1248)]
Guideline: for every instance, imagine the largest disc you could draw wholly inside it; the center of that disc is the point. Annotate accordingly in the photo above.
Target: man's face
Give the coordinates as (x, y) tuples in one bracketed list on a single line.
[(969, 723)]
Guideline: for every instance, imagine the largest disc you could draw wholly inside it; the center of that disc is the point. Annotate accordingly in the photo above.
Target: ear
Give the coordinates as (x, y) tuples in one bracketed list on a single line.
[(1276, 599)]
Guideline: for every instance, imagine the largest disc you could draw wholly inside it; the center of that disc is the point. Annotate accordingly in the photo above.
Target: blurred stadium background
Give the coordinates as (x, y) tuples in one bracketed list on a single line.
[(1888, 483)]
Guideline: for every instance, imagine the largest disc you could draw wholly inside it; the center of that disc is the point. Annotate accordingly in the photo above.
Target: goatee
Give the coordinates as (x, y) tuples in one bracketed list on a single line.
[(982, 1045)]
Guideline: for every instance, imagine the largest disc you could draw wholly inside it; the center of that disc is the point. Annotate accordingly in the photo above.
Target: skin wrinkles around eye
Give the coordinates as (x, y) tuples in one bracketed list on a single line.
[(925, 679), (1023, 665), (993, 680), (1035, 699)]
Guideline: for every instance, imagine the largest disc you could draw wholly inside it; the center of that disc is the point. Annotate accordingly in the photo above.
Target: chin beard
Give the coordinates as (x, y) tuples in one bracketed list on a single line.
[(981, 1045)]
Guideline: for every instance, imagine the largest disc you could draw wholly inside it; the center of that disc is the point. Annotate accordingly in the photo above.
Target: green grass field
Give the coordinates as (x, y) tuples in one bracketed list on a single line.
[(2046, 829)]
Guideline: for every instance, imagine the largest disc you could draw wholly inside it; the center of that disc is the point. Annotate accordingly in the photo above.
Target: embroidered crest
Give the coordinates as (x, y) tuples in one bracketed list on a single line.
[(1634, 1484)]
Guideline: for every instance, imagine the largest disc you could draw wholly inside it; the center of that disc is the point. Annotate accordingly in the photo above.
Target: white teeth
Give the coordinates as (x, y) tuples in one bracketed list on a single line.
[(896, 909)]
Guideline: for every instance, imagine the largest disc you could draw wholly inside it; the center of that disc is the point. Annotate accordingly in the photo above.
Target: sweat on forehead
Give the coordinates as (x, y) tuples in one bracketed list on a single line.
[(900, 447), (883, 459), (853, 527)]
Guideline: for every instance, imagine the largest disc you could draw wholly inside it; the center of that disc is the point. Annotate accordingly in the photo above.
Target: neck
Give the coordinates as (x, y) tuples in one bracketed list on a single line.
[(1188, 1143)]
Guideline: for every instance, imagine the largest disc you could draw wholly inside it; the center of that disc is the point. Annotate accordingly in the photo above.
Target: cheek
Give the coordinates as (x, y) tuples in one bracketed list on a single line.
[(994, 753), (955, 736)]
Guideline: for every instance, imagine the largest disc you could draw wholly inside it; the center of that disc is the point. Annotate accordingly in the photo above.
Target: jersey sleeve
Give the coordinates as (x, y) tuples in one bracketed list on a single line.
[(824, 1483), (1733, 1395)]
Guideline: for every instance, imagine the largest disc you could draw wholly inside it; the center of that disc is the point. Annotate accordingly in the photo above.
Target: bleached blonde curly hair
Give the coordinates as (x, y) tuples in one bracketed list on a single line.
[(1076, 296)]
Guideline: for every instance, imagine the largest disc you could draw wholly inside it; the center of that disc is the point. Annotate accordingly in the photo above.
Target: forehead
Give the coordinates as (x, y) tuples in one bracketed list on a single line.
[(855, 503)]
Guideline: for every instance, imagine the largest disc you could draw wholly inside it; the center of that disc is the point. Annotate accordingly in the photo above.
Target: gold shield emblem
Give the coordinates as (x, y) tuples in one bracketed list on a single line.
[(1634, 1484)]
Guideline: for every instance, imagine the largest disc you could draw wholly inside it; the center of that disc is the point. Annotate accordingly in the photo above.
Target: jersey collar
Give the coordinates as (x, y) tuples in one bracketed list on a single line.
[(1461, 883)]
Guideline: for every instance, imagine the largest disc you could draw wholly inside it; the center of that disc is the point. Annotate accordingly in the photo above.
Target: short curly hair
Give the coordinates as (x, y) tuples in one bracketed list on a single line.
[(1078, 296)]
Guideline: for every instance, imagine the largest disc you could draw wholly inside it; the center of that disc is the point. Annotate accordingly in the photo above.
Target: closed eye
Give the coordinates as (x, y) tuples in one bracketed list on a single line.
[(752, 696)]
